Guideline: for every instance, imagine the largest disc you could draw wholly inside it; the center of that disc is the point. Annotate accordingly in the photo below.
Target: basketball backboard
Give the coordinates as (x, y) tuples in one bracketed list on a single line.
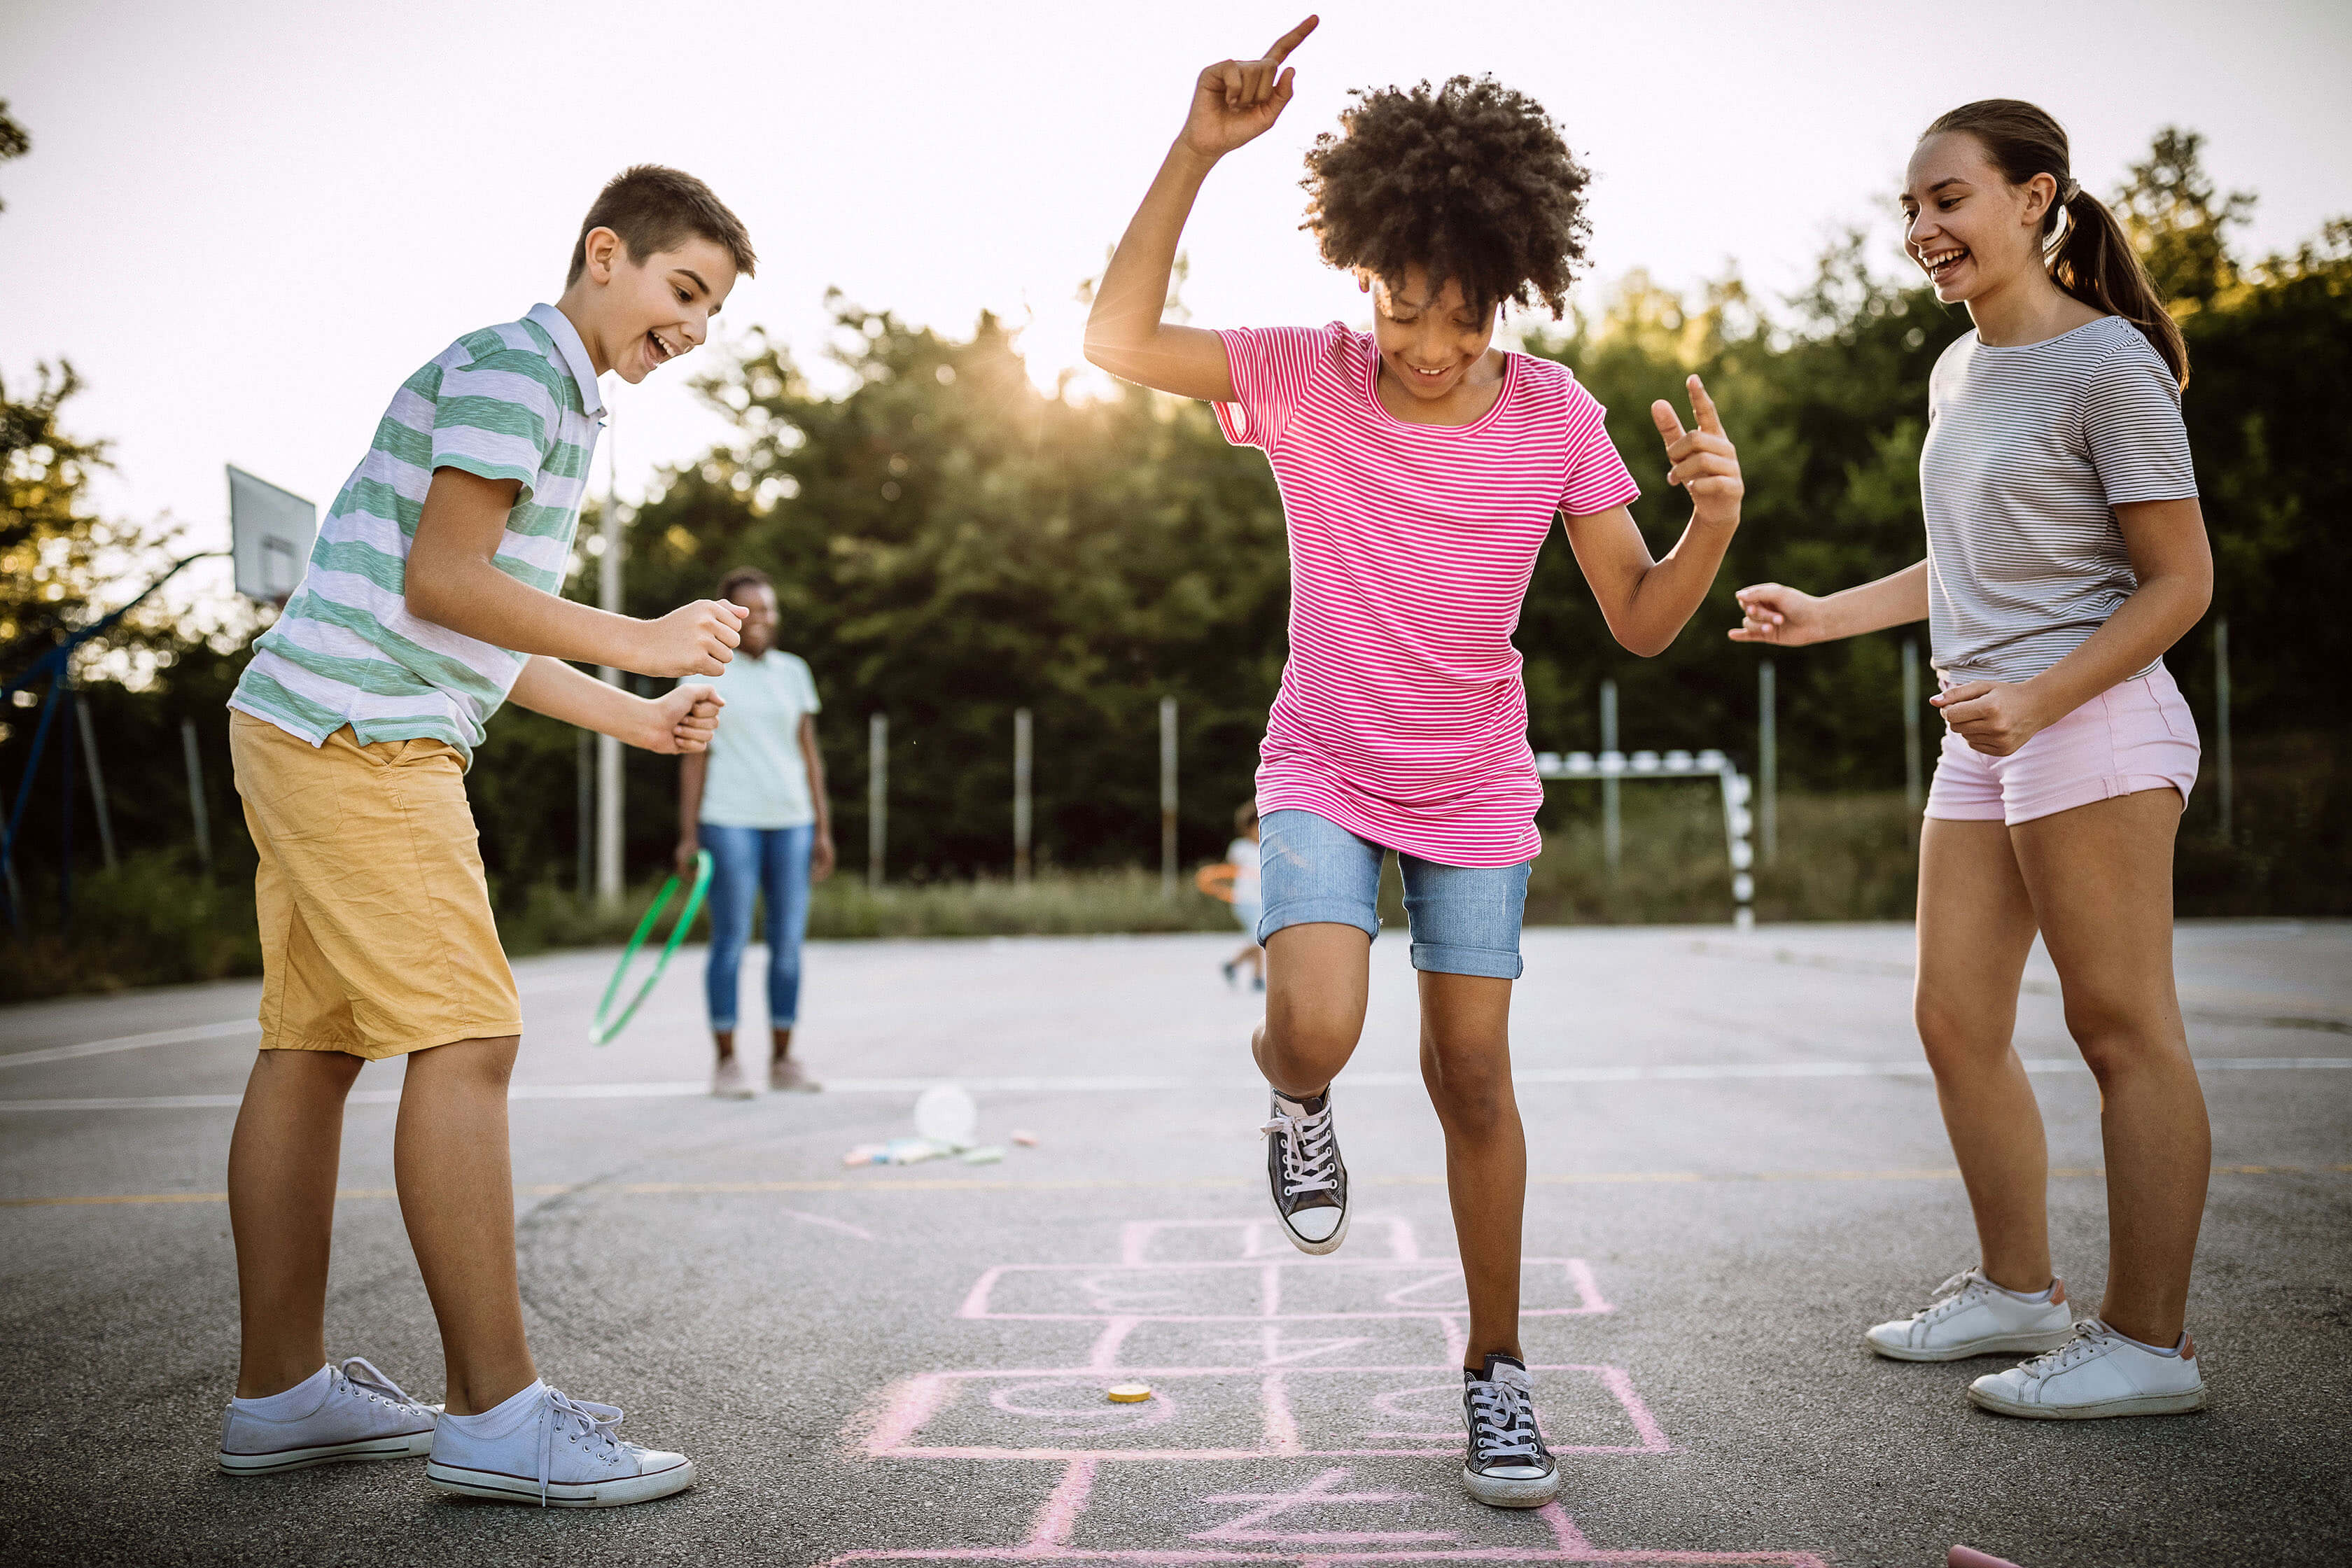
[(270, 532)]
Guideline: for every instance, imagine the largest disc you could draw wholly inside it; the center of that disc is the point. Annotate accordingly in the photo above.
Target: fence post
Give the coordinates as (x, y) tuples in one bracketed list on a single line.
[(877, 795), (1021, 765), (1611, 835), (196, 805), (1912, 795), (97, 778), (1168, 797), (1768, 760), (2221, 718)]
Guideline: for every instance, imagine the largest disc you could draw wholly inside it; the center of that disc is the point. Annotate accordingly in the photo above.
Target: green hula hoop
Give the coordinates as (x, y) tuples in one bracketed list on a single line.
[(600, 1030)]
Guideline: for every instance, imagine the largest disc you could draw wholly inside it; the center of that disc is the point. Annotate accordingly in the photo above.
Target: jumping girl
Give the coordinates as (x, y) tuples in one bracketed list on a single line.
[(1420, 469), (2065, 554)]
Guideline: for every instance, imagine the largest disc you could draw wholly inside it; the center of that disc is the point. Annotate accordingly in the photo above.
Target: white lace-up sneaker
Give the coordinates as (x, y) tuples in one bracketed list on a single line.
[(360, 1415), (729, 1082), (1507, 1464), (1972, 1316), (1303, 1168), (541, 1447), (2097, 1372)]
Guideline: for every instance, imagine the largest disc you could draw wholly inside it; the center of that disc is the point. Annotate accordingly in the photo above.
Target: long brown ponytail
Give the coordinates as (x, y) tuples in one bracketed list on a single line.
[(2091, 258)]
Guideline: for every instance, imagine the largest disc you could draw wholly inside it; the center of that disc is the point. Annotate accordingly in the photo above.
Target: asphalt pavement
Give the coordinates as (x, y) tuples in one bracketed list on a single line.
[(1738, 1165)]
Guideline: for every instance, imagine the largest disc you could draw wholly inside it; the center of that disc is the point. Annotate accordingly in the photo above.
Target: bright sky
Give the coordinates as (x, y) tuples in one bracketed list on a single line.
[(247, 221)]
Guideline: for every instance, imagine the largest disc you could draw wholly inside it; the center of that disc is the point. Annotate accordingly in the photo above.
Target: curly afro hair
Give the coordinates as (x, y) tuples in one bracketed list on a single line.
[(1471, 182)]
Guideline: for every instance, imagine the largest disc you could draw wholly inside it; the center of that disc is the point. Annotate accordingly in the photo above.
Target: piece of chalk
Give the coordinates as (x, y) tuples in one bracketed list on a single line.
[(1128, 1393), (1026, 1139), (1969, 1557)]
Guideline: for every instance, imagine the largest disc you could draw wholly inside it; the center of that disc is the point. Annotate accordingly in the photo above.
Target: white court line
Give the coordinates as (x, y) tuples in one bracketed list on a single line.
[(688, 1088)]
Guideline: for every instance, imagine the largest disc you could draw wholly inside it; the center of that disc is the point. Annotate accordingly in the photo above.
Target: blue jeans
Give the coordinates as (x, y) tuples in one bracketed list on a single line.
[(1464, 919), (744, 860)]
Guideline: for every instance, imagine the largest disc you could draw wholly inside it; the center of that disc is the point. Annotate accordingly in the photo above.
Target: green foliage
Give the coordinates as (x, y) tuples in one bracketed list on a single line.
[(2178, 221)]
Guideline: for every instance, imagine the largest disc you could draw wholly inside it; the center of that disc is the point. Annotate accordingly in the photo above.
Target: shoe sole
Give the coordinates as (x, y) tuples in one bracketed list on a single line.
[(1503, 1492), (499, 1487), (1314, 1248), (1997, 1344), (409, 1445), (2139, 1405)]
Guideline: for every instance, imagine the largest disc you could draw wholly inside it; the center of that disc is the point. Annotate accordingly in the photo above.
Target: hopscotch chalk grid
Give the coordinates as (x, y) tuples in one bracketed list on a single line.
[(1280, 1365)]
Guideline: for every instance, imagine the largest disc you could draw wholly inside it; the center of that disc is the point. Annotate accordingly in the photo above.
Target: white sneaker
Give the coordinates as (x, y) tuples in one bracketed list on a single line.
[(728, 1080), (558, 1452), (1972, 1316), (2098, 1372), (786, 1076), (359, 1415)]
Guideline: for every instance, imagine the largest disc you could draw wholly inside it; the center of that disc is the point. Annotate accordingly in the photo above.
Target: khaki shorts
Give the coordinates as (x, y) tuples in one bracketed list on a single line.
[(376, 933)]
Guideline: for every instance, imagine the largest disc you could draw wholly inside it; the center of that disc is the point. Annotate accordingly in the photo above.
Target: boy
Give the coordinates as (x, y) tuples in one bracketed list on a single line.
[(432, 597)]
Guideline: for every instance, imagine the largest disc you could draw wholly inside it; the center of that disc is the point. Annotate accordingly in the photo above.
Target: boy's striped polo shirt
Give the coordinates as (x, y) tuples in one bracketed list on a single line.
[(513, 402)]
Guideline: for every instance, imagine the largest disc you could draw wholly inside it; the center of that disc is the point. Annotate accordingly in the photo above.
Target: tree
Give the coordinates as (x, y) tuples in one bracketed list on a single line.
[(2177, 219)]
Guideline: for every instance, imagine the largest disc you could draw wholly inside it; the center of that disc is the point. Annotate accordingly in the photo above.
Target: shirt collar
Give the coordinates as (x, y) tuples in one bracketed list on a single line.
[(559, 326)]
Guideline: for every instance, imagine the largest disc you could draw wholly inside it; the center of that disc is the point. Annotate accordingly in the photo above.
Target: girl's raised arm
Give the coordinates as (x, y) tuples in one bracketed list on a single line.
[(1233, 102)]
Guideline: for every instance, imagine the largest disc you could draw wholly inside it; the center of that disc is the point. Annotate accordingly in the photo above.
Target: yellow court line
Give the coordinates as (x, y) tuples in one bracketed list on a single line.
[(985, 1184)]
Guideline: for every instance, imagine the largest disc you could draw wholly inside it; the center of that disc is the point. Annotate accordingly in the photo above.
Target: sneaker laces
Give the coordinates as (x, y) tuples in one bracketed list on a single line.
[(1503, 1425), (371, 1384), (1949, 1294), (1310, 1156), (2090, 1338), (579, 1421)]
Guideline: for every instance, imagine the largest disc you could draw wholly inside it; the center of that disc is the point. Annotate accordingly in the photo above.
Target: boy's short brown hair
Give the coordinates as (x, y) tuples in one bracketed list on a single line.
[(652, 208)]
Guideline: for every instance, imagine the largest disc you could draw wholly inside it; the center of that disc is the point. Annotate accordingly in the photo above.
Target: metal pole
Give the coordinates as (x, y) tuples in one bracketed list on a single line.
[(1020, 764), (1168, 797), (608, 750), (584, 812), (878, 794), (1611, 833), (1912, 795), (1768, 760), (2222, 716), (197, 807), (96, 779), (65, 849)]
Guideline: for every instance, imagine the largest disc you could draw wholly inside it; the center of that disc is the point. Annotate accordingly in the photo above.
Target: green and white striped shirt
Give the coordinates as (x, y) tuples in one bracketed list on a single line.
[(513, 402)]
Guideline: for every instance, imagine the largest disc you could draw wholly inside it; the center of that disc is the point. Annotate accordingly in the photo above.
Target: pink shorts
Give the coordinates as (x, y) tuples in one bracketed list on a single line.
[(2136, 734)]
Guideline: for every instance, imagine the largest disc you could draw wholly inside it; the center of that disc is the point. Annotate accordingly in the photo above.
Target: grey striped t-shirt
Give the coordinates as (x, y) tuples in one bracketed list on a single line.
[(2028, 449)]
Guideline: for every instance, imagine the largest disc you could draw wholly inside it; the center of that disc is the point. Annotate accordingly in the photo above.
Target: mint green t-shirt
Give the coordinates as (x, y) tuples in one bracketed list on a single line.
[(757, 776)]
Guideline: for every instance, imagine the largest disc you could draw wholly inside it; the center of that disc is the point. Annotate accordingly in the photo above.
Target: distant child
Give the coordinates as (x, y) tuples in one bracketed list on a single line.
[(1242, 855), (756, 800), (431, 599), (2065, 552), (1421, 471)]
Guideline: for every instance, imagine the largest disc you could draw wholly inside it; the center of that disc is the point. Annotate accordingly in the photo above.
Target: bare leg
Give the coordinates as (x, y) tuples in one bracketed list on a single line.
[(2102, 882), (282, 1164), (456, 1192), (1465, 1060), (724, 1039), (1975, 927), (1318, 983), (782, 1042)]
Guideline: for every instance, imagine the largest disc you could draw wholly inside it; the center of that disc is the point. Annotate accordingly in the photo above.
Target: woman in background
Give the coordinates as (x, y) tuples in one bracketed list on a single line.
[(756, 801)]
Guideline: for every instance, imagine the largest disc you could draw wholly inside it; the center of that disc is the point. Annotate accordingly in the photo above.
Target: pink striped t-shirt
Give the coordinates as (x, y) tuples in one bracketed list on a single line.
[(1400, 715)]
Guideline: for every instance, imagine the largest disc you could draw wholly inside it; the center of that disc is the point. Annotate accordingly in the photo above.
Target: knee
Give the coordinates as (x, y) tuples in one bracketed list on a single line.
[(1960, 1032), (1316, 1037), (478, 1065), (1472, 1090), (2117, 1038)]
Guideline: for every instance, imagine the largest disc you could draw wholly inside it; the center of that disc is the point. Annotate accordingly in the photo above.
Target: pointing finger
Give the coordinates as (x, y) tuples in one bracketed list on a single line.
[(1292, 39), (1704, 406)]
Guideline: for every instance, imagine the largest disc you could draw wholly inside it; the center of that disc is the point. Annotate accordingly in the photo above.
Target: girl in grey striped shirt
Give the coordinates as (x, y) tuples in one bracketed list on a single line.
[(2065, 554)]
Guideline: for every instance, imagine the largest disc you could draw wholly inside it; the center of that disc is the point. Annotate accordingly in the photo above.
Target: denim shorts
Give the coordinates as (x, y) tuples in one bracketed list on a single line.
[(1464, 919)]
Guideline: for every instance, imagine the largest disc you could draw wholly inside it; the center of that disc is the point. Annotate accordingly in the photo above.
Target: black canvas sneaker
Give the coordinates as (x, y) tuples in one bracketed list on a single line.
[(1303, 1168), (1506, 1465)]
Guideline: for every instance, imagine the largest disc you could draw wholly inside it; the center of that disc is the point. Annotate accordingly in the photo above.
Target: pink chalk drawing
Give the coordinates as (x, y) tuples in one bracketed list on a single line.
[(1238, 1333)]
